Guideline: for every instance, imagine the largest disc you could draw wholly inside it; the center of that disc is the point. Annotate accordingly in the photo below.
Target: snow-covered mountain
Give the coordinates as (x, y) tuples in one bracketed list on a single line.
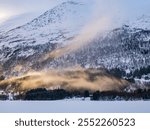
[(127, 46), (44, 32), (55, 25)]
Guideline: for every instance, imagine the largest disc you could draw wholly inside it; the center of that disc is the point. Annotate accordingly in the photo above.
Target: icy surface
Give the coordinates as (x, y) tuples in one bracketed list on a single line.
[(74, 107)]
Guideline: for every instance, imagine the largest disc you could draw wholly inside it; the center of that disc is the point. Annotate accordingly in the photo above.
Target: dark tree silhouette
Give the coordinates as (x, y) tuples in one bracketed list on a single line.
[(86, 93)]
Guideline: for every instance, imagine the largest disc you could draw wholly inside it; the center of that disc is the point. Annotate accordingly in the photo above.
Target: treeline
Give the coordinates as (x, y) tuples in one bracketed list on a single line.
[(142, 71), (138, 73), (3, 97), (140, 94), (59, 94), (43, 94)]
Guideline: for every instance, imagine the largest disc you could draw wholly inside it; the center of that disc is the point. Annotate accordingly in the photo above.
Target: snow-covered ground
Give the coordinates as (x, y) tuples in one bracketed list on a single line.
[(74, 107)]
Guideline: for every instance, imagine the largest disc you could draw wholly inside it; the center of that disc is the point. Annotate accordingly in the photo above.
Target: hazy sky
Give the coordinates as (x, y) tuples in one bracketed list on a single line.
[(10, 8)]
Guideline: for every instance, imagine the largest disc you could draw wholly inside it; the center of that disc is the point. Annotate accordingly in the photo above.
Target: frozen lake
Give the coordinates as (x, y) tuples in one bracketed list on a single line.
[(74, 106)]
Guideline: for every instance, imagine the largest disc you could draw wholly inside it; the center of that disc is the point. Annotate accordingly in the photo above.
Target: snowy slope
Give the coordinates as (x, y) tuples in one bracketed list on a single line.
[(18, 20), (126, 48), (53, 27), (142, 22)]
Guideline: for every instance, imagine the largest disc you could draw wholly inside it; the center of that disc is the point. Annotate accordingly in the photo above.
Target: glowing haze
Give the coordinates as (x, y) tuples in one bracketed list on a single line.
[(77, 79)]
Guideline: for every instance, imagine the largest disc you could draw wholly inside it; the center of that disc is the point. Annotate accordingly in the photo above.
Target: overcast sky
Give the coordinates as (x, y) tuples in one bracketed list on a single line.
[(10, 8)]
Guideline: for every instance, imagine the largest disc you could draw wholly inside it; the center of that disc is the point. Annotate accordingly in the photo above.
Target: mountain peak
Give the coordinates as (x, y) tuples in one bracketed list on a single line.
[(59, 14), (70, 2)]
